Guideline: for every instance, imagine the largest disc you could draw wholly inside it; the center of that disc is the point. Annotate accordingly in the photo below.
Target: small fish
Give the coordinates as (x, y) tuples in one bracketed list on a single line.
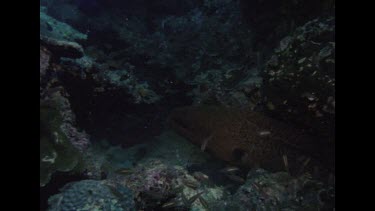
[(309, 96), (229, 169), (205, 142), (200, 176), (265, 133), (191, 183), (304, 165), (203, 202), (170, 204), (194, 198), (236, 178), (285, 159), (124, 171)]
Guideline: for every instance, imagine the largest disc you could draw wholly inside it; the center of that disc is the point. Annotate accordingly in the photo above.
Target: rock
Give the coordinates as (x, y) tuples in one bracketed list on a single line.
[(62, 48), (45, 56), (92, 195), (53, 28), (301, 82), (279, 191)]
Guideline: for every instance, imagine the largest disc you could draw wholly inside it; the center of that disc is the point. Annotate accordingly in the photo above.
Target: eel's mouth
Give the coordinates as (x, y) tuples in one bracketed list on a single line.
[(179, 124), (184, 123)]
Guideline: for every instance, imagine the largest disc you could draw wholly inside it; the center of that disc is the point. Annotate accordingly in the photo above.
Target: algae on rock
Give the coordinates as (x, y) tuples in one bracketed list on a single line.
[(56, 152)]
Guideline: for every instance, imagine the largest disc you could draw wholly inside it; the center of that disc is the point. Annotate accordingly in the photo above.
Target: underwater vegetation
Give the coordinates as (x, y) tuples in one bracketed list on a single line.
[(187, 105), (57, 153)]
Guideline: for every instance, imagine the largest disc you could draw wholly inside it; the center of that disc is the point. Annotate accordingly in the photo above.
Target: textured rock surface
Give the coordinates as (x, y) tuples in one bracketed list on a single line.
[(56, 151), (160, 186), (53, 28), (279, 191), (92, 195), (299, 80), (61, 48), (61, 143)]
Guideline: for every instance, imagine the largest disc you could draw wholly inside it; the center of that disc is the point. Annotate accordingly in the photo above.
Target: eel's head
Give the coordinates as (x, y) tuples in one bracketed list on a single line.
[(187, 121)]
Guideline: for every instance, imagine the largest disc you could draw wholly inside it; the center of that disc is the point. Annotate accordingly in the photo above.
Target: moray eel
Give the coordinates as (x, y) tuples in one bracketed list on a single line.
[(244, 138)]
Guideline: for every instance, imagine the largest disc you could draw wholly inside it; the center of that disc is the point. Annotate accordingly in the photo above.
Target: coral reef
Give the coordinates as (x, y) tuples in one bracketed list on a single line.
[(125, 79), (299, 79), (92, 195), (271, 20), (56, 29), (116, 70), (56, 151), (61, 143), (172, 149), (157, 185), (279, 191), (243, 137)]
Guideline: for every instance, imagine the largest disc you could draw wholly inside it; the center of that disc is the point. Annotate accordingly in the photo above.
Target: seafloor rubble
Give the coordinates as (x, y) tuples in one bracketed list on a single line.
[(183, 177), (247, 83)]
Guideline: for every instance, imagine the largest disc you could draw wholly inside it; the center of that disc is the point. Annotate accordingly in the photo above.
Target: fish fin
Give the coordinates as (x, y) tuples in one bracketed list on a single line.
[(205, 142)]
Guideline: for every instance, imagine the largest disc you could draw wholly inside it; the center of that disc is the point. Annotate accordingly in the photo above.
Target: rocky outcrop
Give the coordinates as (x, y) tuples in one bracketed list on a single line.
[(299, 79)]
